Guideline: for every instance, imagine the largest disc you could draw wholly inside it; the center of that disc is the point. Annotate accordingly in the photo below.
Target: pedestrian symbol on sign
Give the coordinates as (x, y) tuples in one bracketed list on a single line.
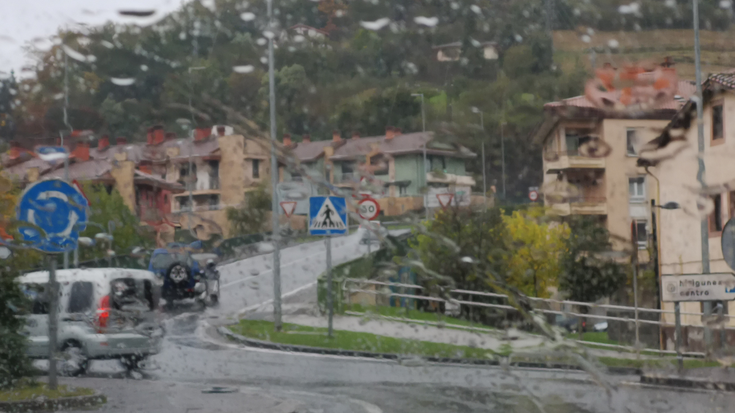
[(327, 215)]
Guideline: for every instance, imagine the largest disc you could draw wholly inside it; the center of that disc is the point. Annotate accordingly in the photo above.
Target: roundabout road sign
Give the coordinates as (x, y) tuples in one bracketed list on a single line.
[(51, 215), (368, 208)]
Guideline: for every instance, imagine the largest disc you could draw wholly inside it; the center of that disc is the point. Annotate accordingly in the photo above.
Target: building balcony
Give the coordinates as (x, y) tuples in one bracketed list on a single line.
[(449, 179), (559, 161), (583, 205)]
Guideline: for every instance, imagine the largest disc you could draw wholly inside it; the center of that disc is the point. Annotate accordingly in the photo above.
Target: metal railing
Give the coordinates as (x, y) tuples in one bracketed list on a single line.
[(638, 321)]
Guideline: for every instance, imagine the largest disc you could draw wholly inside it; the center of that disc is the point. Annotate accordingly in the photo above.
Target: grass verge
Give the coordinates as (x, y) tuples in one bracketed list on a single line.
[(294, 334), (412, 315), (347, 340), (26, 391)]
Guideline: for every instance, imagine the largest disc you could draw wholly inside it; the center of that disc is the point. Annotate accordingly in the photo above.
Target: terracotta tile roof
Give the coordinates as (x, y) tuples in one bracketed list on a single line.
[(83, 171), (405, 143), (142, 177), (18, 172), (685, 90), (726, 79), (310, 151)]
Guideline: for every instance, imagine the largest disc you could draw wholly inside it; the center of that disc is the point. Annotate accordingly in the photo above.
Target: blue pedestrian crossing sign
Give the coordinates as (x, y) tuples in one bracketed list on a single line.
[(327, 215)]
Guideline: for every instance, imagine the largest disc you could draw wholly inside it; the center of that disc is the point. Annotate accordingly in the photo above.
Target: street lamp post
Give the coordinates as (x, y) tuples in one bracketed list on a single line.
[(274, 175), (191, 147), (656, 260), (423, 128), (484, 180)]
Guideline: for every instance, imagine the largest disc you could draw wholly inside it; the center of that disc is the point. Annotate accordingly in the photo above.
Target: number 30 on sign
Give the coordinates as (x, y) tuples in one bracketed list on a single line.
[(368, 209)]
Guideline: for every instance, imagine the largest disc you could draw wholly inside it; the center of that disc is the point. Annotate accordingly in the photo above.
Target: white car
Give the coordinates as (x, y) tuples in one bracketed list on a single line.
[(103, 313)]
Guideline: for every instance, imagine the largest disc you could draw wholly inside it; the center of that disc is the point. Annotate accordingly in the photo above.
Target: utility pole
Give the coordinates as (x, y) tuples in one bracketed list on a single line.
[(502, 153), (66, 123), (704, 230), (190, 184), (53, 314), (274, 176), (549, 20), (484, 178), (426, 170)]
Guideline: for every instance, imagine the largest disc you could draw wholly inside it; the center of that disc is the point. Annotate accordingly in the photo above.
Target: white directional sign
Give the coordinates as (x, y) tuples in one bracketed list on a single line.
[(698, 287)]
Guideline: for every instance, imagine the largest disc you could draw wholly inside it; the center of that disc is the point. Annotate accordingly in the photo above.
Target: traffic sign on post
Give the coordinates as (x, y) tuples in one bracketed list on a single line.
[(288, 207), (368, 208), (698, 287), (533, 193), (327, 215), (445, 199), (52, 213)]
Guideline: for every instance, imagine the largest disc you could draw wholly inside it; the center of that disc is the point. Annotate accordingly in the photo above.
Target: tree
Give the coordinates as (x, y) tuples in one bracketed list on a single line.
[(108, 207), (537, 248), (586, 274), (252, 216)]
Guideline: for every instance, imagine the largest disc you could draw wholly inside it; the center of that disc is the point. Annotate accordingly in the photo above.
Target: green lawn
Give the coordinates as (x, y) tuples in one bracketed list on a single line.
[(412, 315), (29, 391), (663, 362), (347, 340)]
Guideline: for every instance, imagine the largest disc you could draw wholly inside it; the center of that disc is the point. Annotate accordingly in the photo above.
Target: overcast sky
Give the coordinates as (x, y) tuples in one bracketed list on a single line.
[(24, 21)]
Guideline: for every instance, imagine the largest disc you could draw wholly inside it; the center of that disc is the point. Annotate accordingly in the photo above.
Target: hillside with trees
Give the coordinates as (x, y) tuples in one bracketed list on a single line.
[(125, 78)]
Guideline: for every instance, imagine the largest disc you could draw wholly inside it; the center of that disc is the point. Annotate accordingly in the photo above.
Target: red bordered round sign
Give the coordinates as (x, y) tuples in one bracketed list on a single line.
[(533, 196), (368, 209)]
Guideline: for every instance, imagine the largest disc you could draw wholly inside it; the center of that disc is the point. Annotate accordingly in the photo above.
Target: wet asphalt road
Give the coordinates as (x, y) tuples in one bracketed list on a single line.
[(195, 358)]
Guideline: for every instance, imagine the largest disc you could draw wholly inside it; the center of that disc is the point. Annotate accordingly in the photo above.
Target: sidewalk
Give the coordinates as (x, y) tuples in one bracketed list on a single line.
[(489, 341), (701, 378)]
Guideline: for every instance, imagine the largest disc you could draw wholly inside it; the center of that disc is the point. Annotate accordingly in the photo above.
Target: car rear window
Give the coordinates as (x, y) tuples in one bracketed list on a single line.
[(129, 294), (81, 297), (164, 260)]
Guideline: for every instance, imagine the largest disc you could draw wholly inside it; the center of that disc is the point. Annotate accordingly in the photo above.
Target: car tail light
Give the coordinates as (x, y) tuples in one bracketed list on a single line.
[(103, 313)]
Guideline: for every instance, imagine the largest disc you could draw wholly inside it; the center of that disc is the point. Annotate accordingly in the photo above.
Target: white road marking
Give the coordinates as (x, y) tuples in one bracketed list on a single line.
[(369, 407), (269, 301)]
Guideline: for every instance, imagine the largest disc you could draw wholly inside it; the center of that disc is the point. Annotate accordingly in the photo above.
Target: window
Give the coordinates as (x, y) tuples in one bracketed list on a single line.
[(715, 218), (81, 297), (37, 297), (437, 162), (718, 126), (256, 168), (183, 203), (637, 189), (572, 140), (380, 164), (348, 168), (213, 202), (731, 206), (213, 174), (402, 191), (631, 142), (641, 229)]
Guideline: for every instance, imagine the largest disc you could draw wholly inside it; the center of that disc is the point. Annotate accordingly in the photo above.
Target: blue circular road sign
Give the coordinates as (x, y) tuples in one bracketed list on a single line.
[(58, 209)]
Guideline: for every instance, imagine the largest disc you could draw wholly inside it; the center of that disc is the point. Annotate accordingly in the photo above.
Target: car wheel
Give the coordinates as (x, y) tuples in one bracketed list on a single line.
[(72, 362), (214, 299), (178, 273)]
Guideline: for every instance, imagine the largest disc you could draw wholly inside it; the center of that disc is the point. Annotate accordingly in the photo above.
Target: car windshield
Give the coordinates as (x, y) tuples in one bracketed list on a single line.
[(163, 261), (409, 205)]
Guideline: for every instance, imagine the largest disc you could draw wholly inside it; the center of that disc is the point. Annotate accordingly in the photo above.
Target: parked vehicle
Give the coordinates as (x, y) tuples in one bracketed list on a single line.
[(571, 324), (184, 276), (104, 313)]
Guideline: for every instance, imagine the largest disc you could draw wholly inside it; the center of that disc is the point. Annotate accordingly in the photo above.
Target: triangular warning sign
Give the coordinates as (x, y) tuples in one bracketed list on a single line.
[(327, 217), (444, 199), (288, 207)]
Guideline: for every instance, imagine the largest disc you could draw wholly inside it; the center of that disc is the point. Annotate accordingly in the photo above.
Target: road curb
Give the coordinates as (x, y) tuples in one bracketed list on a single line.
[(686, 382), (250, 342), (64, 403)]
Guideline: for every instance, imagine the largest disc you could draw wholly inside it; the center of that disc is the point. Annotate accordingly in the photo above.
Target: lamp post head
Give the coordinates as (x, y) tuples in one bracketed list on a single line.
[(670, 205)]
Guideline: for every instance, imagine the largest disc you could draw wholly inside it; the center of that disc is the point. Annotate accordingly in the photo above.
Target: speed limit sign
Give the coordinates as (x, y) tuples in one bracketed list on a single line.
[(368, 209), (533, 193)]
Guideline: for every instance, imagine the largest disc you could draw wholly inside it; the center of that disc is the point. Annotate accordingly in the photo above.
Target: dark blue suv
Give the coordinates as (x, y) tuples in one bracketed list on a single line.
[(180, 273)]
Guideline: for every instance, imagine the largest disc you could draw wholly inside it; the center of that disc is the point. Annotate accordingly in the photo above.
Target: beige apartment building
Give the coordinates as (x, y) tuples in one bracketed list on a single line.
[(680, 229), (608, 185)]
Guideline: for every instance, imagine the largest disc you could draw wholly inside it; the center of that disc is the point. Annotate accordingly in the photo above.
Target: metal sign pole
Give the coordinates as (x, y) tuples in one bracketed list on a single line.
[(677, 318), (53, 293), (330, 300)]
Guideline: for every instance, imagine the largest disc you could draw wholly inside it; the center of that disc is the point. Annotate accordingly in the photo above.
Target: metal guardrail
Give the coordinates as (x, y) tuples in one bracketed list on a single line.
[(349, 290)]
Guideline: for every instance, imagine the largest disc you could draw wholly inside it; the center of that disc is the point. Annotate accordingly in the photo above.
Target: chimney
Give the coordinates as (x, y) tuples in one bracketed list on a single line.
[(15, 150), (355, 135), (389, 132), (336, 137), (201, 134), (170, 136), (287, 139), (398, 132), (103, 143), (306, 139), (121, 140), (149, 136), (81, 151), (159, 135), (220, 130)]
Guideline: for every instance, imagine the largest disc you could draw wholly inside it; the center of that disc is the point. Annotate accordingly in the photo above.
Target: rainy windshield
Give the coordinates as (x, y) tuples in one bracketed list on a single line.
[(379, 206)]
